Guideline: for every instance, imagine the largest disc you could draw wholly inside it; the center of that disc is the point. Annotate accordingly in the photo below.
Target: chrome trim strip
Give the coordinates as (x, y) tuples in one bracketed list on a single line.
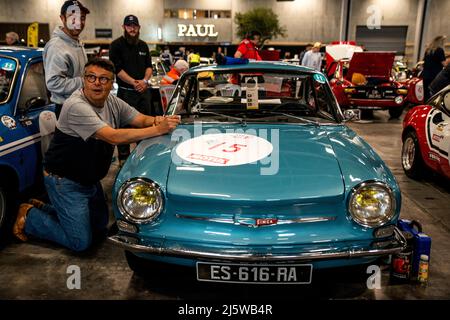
[(251, 222), (21, 146), (20, 141), (131, 244)]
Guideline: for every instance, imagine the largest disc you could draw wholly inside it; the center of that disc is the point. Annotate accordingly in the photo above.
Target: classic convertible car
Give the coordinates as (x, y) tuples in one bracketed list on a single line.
[(27, 121), (261, 182), (366, 82), (426, 137)]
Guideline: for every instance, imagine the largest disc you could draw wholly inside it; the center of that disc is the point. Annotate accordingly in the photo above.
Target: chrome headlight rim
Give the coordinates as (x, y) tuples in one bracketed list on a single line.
[(383, 220), (124, 211)]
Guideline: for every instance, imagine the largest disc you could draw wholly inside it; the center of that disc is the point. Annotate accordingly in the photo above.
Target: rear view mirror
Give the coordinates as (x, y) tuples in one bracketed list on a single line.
[(352, 114)]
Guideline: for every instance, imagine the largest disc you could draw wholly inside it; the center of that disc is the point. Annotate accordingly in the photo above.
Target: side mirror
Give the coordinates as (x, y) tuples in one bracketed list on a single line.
[(32, 103), (352, 115)]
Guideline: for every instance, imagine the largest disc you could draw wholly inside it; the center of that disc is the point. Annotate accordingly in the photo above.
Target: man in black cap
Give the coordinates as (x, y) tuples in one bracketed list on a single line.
[(131, 58), (64, 55)]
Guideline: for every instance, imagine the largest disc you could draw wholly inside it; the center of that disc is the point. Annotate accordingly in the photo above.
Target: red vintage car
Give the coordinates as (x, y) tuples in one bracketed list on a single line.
[(366, 82), (426, 136)]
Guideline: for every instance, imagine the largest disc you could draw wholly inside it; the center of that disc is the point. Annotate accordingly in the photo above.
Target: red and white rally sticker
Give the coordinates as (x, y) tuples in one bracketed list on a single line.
[(224, 149)]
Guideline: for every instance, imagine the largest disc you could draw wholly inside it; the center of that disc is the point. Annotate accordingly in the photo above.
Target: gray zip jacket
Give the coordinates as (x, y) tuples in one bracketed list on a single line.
[(64, 60)]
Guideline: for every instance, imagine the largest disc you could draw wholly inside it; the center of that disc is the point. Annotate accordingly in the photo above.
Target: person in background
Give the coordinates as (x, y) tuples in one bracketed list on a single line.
[(441, 81), (193, 58), (64, 55), (219, 55), (302, 54), (183, 53), (166, 57), (12, 39), (91, 123), (434, 61), (177, 55), (247, 49), (313, 58), (447, 60), (175, 72), (131, 58)]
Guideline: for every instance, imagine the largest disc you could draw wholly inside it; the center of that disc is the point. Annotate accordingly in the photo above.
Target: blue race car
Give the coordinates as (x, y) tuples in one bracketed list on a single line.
[(261, 183), (27, 121)]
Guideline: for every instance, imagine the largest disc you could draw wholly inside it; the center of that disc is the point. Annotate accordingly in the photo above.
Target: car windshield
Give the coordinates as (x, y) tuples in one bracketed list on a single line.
[(255, 96), (7, 71)]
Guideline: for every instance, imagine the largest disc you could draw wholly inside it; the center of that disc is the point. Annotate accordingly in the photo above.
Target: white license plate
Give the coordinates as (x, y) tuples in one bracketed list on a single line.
[(254, 273)]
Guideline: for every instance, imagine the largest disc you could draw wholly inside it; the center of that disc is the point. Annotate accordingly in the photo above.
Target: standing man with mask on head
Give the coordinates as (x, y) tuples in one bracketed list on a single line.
[(64, 55), (131, 58), (247, 48)]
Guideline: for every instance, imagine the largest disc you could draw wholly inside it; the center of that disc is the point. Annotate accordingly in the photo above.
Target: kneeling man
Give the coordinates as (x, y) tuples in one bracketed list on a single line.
[(79, 156)]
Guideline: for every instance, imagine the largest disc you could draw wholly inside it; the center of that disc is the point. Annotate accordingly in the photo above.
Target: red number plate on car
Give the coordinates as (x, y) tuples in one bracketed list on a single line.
[(254, 273)]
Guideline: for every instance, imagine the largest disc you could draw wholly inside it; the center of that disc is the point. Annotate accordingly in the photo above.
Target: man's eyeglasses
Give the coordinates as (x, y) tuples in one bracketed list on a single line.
[(92, 78)]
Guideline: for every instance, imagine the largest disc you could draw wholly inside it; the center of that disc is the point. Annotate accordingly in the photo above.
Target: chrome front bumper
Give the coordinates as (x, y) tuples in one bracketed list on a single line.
[(396, 244)]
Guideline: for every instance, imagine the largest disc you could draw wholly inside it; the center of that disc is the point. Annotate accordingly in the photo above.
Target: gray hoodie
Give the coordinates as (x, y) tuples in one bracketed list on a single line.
[(64, 60)]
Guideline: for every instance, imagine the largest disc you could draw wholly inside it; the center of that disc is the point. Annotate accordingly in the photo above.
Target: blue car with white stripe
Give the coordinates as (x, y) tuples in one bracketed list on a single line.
[(262, 181), (27, 121)]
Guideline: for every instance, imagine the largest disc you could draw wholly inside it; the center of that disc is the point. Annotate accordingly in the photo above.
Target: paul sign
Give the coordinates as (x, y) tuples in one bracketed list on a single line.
[(198, 30)]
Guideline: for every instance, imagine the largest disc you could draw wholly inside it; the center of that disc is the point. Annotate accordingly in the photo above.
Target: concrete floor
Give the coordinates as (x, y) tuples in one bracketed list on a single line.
[(38, 270)]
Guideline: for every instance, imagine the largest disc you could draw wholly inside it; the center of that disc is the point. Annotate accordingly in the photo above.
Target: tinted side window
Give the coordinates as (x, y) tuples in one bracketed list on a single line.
[(33, 85)]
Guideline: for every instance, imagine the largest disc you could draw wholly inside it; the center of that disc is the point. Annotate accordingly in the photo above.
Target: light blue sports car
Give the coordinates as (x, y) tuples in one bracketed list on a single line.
[(261, 183)]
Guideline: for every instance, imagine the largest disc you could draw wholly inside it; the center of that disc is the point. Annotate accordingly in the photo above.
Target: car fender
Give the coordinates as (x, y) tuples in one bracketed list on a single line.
[(355, 155), (416, 120), (415, 90)]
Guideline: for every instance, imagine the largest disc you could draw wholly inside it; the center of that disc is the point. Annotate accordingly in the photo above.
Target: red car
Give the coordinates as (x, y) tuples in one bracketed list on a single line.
[(366, 82), (426, 136)]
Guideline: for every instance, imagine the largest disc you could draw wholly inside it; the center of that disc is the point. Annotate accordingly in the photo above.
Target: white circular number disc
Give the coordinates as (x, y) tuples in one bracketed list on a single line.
[(224, 149)]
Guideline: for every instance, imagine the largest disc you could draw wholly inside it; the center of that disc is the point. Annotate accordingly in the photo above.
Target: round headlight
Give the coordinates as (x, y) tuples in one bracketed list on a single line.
[(372, 204), (140, 200), (398, 99)]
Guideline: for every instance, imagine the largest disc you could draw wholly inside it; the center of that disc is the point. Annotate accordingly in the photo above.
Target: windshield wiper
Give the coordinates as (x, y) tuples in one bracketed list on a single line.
[(316, 123), (200, 111)]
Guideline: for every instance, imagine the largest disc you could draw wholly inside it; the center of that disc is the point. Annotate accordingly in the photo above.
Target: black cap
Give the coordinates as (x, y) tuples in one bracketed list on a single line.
[(67, 4), (130, 19)]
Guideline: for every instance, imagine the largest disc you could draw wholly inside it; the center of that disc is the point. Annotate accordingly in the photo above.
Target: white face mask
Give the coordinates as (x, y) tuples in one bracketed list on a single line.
[(73, 16)]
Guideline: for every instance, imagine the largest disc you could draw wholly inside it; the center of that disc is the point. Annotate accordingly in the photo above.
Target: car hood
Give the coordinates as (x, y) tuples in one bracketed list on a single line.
[(302, 167), (371, 64)]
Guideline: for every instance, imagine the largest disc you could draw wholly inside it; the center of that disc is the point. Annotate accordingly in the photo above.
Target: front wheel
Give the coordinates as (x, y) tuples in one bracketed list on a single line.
[(7, 208), (412, 161), (366, 114), (2, 208), (139, 265), (395, 113)]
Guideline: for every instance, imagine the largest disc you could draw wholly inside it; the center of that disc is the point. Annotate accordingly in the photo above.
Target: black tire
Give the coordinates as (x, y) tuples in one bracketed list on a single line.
[(140, 266), (2, 208), (395, 113), (366, 114), (8, 207), (411, 157)]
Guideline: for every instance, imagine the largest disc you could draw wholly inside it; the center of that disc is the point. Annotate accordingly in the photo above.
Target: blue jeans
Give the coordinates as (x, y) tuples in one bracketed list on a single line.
[(76, 211)]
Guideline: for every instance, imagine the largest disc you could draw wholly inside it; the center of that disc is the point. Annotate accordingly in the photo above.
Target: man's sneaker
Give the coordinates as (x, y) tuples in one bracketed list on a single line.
[(19, 225), (37, 203)]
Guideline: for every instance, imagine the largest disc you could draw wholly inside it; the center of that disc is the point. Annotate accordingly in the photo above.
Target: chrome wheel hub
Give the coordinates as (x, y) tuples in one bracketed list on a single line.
[(408, 153)]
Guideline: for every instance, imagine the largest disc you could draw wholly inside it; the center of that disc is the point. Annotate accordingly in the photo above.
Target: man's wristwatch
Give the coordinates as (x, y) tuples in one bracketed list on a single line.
[(147, 82)]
